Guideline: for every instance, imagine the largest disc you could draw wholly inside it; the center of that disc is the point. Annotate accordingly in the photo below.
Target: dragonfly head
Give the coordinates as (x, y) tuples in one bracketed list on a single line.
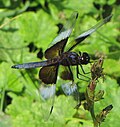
[(84, 58)]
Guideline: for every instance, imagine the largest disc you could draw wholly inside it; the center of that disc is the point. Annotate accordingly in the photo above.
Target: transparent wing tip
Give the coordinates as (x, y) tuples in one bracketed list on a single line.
[(47, 91), (69, 88)]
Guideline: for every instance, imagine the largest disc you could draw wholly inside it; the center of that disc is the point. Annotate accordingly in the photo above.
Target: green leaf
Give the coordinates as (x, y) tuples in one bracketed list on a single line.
[(5, 120), (26, 112), (8, 79), (112, 67), (111, 96)]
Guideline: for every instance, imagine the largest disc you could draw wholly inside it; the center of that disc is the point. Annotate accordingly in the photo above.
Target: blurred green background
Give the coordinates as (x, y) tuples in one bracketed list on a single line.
[(27, 28)]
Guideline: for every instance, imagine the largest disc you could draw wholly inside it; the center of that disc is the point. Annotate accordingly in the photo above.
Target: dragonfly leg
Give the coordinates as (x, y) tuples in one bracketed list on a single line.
[(83, 70), (71, 73), (78, 73)]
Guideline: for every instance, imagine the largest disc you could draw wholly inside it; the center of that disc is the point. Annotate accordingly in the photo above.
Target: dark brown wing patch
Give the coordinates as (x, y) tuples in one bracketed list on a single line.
[(58, 44), (66, 74), (48, 75), (56, 49)]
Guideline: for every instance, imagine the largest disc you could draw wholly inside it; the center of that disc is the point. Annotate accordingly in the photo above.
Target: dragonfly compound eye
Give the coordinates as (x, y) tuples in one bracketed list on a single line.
[(84, 58)]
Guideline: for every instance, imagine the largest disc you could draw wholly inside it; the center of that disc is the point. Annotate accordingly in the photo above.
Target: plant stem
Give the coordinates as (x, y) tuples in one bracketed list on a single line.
[(93, 115), (2, 100)]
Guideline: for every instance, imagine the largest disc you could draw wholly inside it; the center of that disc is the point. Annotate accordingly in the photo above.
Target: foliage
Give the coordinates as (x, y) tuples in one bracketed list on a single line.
[(26, 30)]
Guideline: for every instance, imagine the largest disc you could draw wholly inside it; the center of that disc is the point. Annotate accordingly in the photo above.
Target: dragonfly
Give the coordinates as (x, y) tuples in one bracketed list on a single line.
[(57, 56)]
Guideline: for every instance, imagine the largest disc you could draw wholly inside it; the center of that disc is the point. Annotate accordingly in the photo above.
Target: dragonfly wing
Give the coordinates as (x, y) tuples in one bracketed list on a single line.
[(58, 44), (48, 74), (68, 86), (56, 49), (87, 33), (47, 91)]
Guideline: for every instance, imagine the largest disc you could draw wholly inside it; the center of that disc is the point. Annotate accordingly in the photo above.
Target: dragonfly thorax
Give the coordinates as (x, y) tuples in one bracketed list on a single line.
[(69, 58)]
